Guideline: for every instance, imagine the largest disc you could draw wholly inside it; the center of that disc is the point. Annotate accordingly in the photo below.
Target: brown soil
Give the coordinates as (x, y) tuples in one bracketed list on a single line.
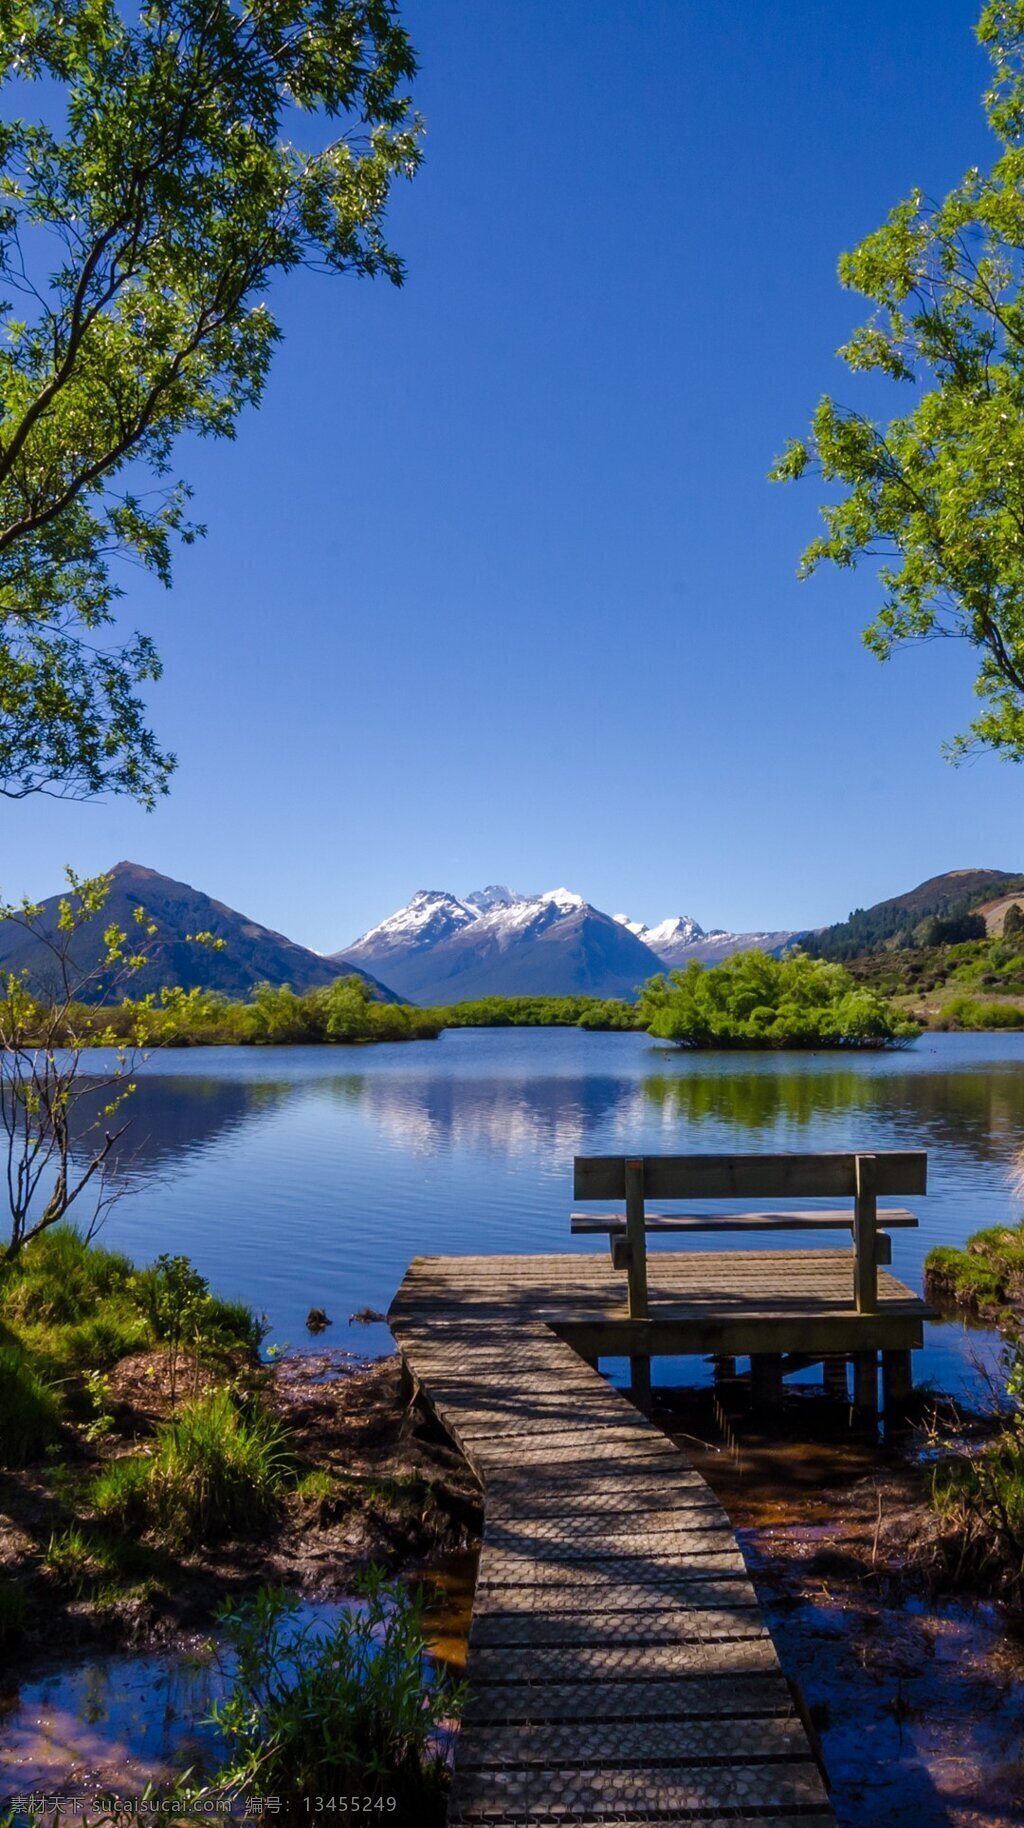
[(395, 1493)]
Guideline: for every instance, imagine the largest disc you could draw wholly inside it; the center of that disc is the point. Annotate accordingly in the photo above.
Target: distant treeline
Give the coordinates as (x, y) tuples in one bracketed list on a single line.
[(538, 1012), (751, 1000), (344, 1011)]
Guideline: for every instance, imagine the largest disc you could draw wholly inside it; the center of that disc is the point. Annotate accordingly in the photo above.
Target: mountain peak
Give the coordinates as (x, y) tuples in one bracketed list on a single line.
[(563, 898), (495, 895)]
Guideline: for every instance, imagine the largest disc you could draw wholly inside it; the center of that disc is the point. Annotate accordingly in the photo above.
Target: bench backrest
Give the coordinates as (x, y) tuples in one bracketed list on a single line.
[(748, 1177)]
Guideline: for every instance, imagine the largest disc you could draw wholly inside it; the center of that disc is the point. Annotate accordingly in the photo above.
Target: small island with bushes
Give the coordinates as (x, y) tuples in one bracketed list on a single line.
[(753, 1000)]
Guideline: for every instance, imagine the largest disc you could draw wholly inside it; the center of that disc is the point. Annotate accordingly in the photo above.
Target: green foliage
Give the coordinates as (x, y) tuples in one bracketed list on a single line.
[(145, 212), (1013, 923), (938, 494), (954, 930), (538, 1012), (979, 1496), (985, 1278), (29, 1411), (358, 1711), (753, 1000), (72, 1310), (968, 1012), (61, 1279), (277, 1016), (218, 1469)]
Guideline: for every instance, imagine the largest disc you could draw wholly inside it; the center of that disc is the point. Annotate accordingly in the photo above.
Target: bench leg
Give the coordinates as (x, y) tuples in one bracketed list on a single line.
[(640, 1382), (897, 1381), (865, 1383), (766, 1379)]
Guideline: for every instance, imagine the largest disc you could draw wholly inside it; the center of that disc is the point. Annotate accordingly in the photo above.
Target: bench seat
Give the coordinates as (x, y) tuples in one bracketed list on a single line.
[(843, 1220)]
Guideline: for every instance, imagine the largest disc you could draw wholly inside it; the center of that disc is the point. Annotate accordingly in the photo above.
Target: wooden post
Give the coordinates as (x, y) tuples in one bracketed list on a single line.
[(640, 1382), (865, 1216), (636, 1270), (766, 1378), (637, 1239), (833, 1374), (897, 1381), (865, 1382)]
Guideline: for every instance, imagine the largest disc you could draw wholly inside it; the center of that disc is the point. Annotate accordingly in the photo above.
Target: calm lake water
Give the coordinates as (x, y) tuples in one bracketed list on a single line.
[(301, 1176)]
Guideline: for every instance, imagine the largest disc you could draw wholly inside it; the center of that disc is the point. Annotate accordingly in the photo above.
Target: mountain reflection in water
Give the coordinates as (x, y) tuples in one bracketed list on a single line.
[(297, 1176)]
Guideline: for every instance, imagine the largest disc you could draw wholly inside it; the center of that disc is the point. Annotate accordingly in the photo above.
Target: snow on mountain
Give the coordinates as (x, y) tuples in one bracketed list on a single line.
[(442, 950), (495, 895), (431, 915), (678, 939)]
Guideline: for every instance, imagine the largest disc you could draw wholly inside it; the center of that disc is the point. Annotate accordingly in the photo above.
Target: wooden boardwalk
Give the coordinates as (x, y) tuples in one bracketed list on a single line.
[(619, 1667)]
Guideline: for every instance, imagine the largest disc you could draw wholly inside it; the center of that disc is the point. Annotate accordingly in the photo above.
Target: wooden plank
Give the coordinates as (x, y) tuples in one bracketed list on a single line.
[(663, 1791), (620, 1742), (681, 1177), (706, 1698)]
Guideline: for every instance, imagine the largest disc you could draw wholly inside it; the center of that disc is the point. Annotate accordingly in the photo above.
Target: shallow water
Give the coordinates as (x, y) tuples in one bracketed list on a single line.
[(302, 1176)]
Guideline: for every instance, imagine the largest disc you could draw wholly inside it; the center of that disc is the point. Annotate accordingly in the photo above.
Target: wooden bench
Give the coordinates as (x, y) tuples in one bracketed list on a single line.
[(859, 1177)]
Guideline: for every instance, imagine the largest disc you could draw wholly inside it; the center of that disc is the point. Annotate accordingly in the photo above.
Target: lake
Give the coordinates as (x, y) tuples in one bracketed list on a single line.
[(301, 1176)]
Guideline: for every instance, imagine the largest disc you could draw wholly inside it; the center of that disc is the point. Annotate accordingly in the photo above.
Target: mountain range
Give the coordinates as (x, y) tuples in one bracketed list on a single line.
[(441, 948), (495, 942)]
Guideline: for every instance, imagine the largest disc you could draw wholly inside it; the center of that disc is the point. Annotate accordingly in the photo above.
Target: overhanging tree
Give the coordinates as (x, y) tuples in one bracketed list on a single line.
[(937, 495), (143, 212)]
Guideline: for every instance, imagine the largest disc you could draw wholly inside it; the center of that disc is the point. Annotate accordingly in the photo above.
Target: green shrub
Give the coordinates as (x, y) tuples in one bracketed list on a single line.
[(967, 1012), (217, 1470), (358, 1711), (984, 1277), (754, 1000), (979, 1496), (29, 1411)]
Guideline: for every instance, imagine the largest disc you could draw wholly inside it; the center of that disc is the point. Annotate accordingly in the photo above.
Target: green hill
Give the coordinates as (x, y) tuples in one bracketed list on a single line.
[(939, 911)]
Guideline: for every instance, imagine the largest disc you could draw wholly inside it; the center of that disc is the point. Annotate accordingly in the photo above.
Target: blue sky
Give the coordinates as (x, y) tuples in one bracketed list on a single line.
[(495, 588)]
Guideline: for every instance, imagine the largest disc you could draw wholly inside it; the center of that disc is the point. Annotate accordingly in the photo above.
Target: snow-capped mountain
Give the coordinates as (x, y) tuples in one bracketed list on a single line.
[(679, 939), (494, 942), (430, 917), (442, 950), (669, 936)]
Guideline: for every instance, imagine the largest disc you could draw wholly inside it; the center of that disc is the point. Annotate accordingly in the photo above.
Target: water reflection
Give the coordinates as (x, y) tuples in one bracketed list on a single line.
[(311, 1176), (980, 1112)]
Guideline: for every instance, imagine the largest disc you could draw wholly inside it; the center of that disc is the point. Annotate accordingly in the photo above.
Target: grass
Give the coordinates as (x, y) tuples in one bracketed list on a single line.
[(979, 1497), (70, 1309), (29, 1410), (219, 1469), (358, 1711), (985, 1278)]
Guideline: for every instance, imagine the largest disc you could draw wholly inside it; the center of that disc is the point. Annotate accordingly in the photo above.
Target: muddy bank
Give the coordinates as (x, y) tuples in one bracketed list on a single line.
[(386, 1488), (915, 1693)]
